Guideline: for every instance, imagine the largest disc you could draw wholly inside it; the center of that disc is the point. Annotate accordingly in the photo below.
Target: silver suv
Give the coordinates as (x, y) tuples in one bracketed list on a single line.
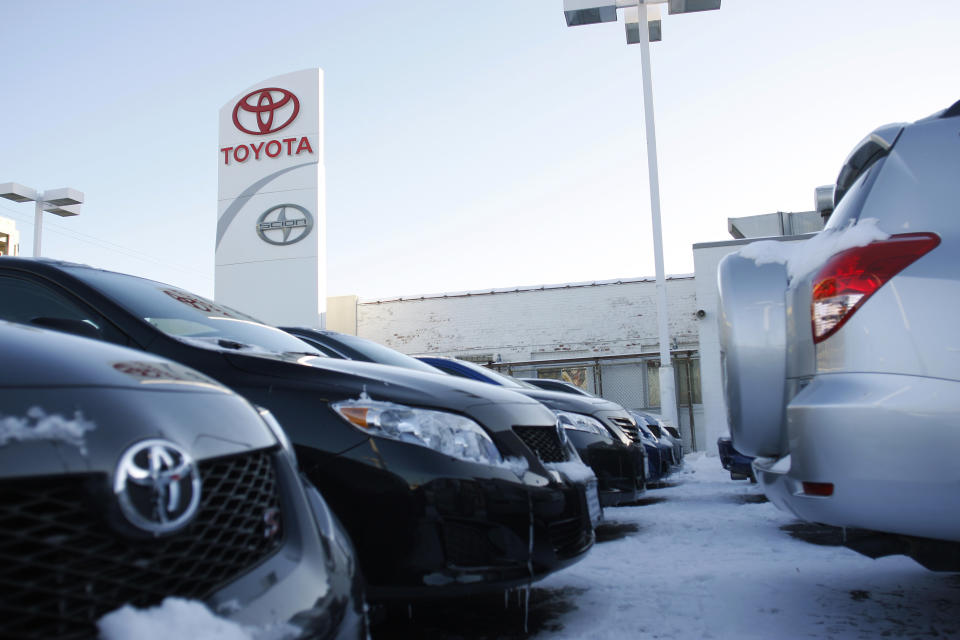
[(842, 363)]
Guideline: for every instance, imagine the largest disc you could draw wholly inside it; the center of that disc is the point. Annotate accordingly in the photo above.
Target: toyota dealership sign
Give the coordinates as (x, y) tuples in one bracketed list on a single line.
[(270, 247)]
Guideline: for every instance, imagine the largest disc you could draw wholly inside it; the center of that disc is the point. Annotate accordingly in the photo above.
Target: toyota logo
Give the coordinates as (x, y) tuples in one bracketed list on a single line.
[(264, 108), (285, 224), (158, 486)]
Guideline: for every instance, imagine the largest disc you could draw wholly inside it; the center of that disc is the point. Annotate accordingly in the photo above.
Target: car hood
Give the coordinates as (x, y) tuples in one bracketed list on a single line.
[(352, 378), (73, 405), (28, 352), (560, 401)]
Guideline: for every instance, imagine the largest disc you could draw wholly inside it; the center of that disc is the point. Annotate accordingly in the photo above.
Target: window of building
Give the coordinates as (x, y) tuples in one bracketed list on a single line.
[(577, 376)]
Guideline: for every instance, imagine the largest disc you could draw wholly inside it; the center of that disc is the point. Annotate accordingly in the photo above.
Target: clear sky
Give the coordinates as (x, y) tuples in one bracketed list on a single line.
[(469, 145)]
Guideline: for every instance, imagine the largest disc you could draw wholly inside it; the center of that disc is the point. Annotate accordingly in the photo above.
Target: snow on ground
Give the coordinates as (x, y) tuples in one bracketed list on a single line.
[(703, 558), (709, 559)]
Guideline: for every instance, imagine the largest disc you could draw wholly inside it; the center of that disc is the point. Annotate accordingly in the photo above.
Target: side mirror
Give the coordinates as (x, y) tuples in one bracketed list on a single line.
[(69, 325)]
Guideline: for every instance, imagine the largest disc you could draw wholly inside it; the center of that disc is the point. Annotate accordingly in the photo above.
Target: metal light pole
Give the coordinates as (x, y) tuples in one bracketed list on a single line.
[(62, 202), (668, 392), (578, 12)]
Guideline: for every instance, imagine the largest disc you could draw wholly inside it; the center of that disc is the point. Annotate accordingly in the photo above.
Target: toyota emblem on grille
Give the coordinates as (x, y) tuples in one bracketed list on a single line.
[(158, 486), (285, 227), (267, 108)]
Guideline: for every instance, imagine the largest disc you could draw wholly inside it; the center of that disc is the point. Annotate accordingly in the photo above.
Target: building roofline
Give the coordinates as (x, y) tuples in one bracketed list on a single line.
[(519, 289)]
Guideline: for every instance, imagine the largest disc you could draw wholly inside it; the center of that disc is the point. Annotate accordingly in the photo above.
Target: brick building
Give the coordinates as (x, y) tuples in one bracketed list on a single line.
[(601, 336)]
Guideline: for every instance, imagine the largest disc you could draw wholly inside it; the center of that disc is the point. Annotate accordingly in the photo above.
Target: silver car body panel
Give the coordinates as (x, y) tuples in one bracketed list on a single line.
[(893, 465), (753, 353), (874, 409)]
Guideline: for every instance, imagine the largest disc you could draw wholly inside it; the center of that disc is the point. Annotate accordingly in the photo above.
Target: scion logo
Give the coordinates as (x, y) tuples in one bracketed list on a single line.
[(284, 224), (158, 486), (264, 109)]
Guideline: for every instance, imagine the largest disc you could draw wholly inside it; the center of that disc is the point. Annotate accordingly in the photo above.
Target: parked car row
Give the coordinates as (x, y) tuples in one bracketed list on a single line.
[(172, 446), (841, 361), (662, 441), (441, 484)]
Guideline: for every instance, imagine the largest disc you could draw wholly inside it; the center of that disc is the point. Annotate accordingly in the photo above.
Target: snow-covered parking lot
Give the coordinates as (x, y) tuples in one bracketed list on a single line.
[(707, 557)]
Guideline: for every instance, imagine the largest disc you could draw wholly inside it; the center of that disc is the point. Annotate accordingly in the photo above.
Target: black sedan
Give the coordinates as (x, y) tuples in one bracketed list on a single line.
[(431, 478), (126, 478), (602, 432)]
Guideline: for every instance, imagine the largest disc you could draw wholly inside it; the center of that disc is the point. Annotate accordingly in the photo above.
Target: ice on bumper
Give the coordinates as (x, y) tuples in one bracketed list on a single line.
[(448, 433)]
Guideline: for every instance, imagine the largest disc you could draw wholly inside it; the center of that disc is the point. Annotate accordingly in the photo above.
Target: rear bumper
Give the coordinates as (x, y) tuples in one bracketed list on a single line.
[(887, 443)]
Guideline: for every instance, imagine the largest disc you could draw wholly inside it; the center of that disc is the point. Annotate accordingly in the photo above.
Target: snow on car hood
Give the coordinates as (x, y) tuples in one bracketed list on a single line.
[(38, 425)]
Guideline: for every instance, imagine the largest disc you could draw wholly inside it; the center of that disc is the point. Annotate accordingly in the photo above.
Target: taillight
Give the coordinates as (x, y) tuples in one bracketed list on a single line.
[(822, 489), (845, 282)]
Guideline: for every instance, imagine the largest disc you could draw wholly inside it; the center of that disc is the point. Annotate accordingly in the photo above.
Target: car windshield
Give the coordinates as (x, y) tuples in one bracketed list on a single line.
[(184, 315), (383, 355)]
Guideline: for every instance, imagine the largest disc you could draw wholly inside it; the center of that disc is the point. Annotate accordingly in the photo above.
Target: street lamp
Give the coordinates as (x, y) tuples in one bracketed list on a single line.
[(640, 29), (62, 202)]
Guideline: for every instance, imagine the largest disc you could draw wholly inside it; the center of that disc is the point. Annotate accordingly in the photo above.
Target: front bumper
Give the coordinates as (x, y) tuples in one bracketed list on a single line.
[(428, 526), (734, 461), (620, 469), (887, 443), (312, 585)]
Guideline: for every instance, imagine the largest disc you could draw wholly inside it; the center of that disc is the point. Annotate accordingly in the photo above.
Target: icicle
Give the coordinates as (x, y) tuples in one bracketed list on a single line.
[(506, 599), (526, 589), (526, 609), (409, 606), (530, 539)]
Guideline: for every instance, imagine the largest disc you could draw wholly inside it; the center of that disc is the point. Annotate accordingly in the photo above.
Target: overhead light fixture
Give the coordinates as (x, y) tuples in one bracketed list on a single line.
[(580, 12), (691, 6), (631, 17), (62, 202)]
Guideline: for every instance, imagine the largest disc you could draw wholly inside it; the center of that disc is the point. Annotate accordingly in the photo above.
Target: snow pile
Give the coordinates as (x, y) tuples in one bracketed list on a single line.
[(179, 618), (37, 425), (802, 258), (519, 466)]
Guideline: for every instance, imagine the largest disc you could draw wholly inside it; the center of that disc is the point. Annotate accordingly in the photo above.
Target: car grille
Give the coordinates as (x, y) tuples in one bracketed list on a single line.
[(62, 567), (544, 442), (628, 427)]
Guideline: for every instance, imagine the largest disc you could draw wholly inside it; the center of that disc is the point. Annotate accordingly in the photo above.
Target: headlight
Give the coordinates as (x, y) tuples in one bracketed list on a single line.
[(448, 433), (279, 434), (580, 422)]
